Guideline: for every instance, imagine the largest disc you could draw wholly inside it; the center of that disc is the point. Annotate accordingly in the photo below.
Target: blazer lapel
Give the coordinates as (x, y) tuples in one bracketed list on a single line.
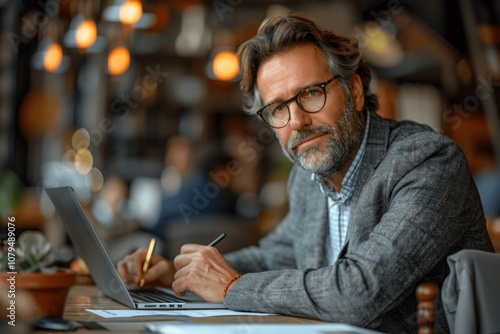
[(376, 148), (316, 228)]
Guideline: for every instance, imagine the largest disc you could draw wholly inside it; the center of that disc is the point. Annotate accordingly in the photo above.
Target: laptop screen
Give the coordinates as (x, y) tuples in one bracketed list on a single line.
[(88, 245)]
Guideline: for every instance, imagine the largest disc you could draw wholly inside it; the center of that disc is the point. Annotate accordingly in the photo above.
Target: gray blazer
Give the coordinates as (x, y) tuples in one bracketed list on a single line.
[(414, 204)]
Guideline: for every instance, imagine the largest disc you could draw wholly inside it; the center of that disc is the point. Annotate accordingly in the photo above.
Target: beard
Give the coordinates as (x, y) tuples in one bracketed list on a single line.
[(330, 157)]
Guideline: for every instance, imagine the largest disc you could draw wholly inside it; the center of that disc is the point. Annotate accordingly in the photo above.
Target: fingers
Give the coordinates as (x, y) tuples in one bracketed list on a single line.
[(192, 252), (202, 270), (159, 267), (189, 274), (179, 286), (181, 261), (130, 268), (207, 280), (160, 271), (185, 265), (192, 248)]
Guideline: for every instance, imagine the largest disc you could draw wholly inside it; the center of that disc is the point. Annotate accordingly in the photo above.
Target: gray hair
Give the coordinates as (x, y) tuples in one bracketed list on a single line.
[(280, 34)]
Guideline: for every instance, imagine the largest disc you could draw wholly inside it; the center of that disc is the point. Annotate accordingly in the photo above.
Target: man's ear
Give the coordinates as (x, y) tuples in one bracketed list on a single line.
[(358, 93)]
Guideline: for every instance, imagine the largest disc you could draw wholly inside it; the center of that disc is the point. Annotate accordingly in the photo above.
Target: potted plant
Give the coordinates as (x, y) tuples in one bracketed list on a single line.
[(26, 266)]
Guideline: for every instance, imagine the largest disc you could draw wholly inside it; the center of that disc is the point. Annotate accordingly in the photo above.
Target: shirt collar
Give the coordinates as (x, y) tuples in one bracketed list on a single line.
[(352, 173)]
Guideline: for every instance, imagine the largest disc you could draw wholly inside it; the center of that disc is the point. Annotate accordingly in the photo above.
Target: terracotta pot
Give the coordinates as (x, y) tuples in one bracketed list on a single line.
[(48, 291)]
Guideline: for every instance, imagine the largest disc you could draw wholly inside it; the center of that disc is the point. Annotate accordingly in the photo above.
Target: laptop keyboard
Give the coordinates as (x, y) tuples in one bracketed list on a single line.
[(154, 296)]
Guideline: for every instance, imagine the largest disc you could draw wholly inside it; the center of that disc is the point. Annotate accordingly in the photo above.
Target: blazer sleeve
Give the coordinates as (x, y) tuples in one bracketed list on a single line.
[(416, 207)]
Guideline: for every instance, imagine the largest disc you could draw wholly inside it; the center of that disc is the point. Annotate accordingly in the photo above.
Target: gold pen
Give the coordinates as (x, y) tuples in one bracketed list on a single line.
[(145, 267)]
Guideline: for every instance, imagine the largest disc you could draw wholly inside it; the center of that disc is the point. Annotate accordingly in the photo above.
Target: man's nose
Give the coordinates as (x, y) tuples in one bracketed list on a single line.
[(298, 117)]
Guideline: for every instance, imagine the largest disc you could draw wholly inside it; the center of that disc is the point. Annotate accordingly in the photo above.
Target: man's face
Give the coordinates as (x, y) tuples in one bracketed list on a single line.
[(324, 142)]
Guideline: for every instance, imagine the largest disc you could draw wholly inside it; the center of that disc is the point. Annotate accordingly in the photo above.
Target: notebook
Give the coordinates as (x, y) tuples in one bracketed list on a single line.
[(90, 248)]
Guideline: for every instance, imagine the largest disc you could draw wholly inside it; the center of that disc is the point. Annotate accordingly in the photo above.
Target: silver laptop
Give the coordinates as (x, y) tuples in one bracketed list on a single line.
[(88, 245)]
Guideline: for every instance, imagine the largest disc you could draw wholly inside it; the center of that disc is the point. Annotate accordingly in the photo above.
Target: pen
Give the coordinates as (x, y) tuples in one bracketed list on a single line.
[(216, 240), (151, 248)]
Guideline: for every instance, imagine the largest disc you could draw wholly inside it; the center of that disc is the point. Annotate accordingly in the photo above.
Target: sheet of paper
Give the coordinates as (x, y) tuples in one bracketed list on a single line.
[(186, 313), (257, 328), (126, 326)]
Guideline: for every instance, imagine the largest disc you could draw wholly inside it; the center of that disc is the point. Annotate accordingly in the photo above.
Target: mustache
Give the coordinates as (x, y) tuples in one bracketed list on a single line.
[(303, 135)]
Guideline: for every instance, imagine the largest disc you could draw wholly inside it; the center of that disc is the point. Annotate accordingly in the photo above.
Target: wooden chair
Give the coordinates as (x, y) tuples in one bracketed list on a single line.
[(426, 296)]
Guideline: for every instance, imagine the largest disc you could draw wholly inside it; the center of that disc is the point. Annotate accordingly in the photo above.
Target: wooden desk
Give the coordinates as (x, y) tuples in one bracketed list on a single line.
[(83, 297)]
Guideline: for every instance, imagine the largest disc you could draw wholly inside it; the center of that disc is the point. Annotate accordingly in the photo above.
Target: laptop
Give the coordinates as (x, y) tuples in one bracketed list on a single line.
[(90, 248)]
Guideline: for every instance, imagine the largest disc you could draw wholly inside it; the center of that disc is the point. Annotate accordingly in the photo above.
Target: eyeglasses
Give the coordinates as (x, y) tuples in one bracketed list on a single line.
[(310, 99)]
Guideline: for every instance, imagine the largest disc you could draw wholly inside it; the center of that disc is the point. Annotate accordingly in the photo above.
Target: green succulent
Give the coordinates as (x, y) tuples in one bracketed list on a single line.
[(33, 253)]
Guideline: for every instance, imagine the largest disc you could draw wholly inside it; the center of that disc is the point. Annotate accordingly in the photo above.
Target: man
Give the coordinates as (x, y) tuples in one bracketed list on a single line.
[(376, 206)]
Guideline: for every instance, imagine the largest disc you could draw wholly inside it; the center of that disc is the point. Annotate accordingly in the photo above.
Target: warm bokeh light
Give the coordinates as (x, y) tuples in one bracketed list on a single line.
[(83, 161), (378, 40), (118, 60), (130, 11), (225, 65), (380, 46), (69, 157), (53, 57), (41, 112), (80, 139), (86, 34), (95, 179)]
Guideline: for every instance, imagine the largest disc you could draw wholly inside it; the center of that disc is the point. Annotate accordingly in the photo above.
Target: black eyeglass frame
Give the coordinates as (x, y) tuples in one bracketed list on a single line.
[(286, 102)]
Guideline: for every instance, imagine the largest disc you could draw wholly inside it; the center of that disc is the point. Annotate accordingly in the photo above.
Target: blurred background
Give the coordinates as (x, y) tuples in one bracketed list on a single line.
[(135, 104)]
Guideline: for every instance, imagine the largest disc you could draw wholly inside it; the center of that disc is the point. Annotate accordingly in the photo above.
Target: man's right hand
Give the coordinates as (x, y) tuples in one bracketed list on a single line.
[(160, 273)]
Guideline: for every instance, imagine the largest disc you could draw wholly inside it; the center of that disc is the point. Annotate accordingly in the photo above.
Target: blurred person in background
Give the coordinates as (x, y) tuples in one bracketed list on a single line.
[(189, 186)]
